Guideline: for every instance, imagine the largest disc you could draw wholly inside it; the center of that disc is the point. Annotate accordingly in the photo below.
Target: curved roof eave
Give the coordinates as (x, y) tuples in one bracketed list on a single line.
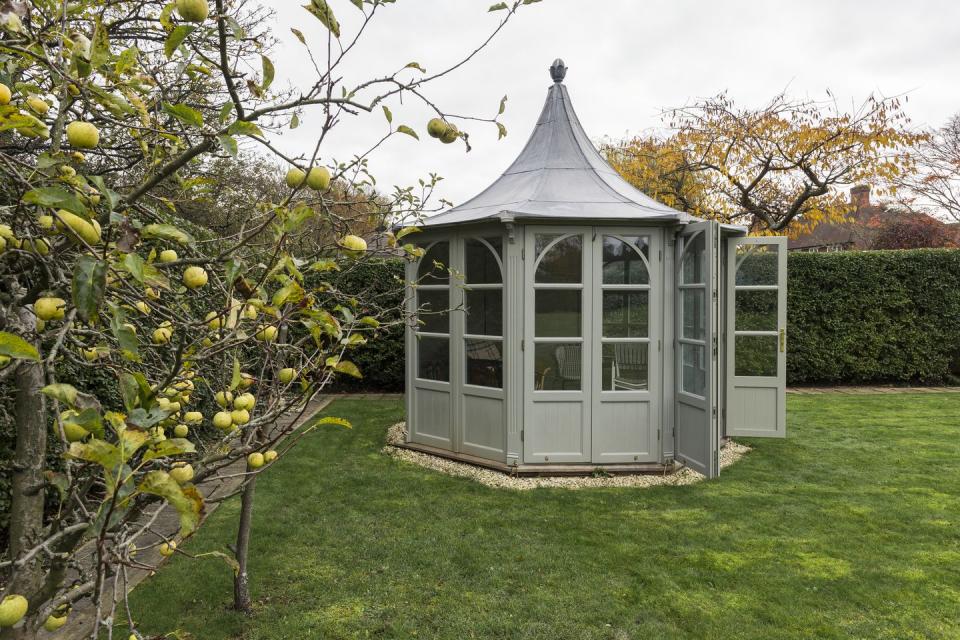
[(560, 175)]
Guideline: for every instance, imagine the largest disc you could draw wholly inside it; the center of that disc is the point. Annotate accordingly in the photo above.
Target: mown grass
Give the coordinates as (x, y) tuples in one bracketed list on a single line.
[(847, 529)]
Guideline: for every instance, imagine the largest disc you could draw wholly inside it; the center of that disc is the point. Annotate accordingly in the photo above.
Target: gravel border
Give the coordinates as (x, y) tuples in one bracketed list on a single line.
[(396, 434)]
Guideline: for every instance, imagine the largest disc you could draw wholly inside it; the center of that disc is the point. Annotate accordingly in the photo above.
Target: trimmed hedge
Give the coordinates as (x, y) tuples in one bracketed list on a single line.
[(874, 316)]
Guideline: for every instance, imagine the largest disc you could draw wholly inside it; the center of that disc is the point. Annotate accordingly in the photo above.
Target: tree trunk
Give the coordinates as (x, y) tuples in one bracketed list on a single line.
[(27, 485), (241, 581)]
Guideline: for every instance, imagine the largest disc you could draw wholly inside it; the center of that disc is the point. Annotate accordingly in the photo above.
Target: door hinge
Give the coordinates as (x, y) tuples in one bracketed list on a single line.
[(521, 435), (523, 254), (522, 345), (660, 255), (658, 435)]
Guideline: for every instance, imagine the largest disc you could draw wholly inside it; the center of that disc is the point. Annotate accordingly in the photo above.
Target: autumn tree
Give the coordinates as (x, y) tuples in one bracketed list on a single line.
[(934, 186), (779, 166), (110, 113), (911, 230)]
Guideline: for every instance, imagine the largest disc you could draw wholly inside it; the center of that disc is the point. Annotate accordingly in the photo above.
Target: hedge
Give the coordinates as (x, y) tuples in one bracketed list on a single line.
[(874, 317)]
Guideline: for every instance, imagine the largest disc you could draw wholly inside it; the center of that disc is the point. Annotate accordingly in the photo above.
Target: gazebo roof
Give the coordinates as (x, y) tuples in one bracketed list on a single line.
[(559, 175)]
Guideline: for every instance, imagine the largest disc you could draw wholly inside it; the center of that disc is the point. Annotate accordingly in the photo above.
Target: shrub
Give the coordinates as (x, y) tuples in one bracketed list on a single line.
[(874, 316)]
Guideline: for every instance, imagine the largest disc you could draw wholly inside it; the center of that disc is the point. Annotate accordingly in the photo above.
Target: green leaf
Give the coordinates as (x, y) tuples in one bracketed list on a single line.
[(347, 367), (407, 130), (99, 451), (291, 292), (126, 60), (126, 337), (501, 131), (387, 114), (186, 501), (88, 419), (415, 65), (370, 321), (316, 421), (16, 347), (294, 121), (129, 390), (187, 115), (113, 102), (244, 128), (503, 105), (500, 6), (176, 38), (358, 4), (61, 391), (165, 14), (322, 11), (229, 144), (169, 447), (225, 111), (89, 283), (100, 45), (167, 232), (133, 263), (299, 35), (55, 198), (407, 231), (268, 72), (238, 31), (235, 377)]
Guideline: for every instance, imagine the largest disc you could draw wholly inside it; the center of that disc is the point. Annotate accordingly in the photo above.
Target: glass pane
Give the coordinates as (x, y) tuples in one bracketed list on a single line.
[(557, 366), (625, 314), (432, 311), (622, 263), (484, 362), (757, 264), (694, 314), (482, 267), (693, 375), (624, 367), (694, 260), (485, 312), (434, 264), (562, 262), (557, 313), (755, 356), (756, 310), (433, 359)]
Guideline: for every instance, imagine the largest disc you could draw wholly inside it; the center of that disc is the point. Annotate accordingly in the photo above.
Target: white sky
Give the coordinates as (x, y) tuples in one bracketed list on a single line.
[(627, 59)]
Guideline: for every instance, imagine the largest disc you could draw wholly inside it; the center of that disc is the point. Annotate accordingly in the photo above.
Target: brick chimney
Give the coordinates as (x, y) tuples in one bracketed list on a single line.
[(860, 196)]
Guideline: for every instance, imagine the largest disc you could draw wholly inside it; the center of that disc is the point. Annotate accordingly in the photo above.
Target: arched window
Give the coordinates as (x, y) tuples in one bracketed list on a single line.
[(692, 284), (483, 299), (625, 334), (558, 312), (433, 317)]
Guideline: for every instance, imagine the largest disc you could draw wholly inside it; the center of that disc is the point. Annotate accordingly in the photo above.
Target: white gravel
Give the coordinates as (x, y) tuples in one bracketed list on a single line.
[(396, 434)]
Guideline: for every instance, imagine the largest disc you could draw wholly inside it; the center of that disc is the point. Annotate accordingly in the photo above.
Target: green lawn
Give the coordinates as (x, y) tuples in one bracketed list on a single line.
[(850, 528)]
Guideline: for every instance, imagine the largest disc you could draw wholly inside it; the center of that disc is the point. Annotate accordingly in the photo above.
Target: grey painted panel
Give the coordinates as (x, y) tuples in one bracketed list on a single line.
[(756, 405), (561, 433), (434, 418), (621, 432), (755, 409), (695, 448), (484, 429)]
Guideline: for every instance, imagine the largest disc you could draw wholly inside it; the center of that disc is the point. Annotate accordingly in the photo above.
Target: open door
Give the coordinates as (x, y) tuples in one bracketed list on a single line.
[(696, 430), (756, 353)]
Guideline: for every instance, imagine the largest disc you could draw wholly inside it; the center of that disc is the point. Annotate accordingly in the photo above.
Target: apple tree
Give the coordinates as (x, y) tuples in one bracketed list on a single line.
[(112, 115)]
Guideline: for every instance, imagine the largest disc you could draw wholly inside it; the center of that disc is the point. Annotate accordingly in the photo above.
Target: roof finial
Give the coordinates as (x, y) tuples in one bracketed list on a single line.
[(558, 70)]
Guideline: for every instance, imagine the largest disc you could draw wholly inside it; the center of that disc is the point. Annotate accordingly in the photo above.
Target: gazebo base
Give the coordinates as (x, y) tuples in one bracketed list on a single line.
[(533, 470)]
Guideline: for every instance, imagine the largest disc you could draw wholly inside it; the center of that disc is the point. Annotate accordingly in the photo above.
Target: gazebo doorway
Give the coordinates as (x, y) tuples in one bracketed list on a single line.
[(592, 356)]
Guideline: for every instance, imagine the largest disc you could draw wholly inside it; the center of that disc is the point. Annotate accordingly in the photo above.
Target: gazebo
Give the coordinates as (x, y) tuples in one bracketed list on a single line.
[(566, 321)]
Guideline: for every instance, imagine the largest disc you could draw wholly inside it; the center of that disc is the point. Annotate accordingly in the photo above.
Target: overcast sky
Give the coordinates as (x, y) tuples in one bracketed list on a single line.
[(627, 59)]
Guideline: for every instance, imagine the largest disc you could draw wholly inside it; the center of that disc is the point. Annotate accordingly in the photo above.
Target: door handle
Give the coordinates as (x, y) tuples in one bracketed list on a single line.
[(783, 340)]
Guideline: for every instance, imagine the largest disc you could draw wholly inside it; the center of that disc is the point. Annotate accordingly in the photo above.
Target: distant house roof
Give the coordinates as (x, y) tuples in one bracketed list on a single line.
[(856, 232), (559, 175)]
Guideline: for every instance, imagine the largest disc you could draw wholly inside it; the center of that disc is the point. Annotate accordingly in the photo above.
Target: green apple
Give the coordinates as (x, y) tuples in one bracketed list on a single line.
[(49, 308), (193, 417), (5, 94), (267, 333), (194, 277), (318, 179), (436, 127), (270, 456), (295, 177), (168, 255), (167, 549), (224, 398), (353, 243), (182, 472), (82, 135), (193, 10), (162, 335), (255, 460), (54, 622), (222, 420), (181, 430), (287, 374), (240, 416), (12, 609)]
